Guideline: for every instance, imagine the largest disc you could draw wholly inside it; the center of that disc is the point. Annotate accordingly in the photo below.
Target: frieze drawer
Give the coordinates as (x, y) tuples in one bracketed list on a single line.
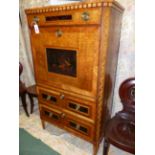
[(80, 17)]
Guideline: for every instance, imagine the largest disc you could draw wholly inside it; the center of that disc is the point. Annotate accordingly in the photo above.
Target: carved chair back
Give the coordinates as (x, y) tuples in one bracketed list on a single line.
[(120, 130), (127, 96)]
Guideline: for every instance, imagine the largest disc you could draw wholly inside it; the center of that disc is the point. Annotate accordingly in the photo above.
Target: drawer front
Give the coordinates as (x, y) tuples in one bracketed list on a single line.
[(71, 123), (84, 108), (79, 127), (78, 17), (51, 115), (67, 102), (50, 98)]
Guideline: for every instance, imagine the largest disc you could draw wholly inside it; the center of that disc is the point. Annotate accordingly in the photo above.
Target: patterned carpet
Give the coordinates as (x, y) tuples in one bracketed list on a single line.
[(58, 139)]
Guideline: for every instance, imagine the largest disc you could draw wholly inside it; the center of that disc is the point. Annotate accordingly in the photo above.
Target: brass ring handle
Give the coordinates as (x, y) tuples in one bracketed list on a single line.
[(85, 16), (58, 33), (62, 96)]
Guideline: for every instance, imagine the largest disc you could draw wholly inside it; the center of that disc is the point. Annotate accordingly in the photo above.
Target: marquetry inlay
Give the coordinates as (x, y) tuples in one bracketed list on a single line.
[(72, 6)]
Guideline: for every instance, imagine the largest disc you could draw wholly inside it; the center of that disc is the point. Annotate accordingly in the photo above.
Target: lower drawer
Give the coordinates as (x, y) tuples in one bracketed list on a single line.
[(68, 122), (78, 128), (51, 115)]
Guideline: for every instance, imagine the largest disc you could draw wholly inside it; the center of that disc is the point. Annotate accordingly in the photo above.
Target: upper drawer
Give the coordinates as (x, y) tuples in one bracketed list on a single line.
[(82, 107), (51, 98), (76, 17), (68, 103)]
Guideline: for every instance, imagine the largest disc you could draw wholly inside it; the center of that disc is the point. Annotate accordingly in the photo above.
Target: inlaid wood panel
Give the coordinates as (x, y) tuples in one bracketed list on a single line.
[(83, 40)]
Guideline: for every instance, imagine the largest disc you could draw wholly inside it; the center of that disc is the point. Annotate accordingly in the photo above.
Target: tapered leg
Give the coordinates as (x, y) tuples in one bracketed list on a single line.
[(23, 98), (43, 124), (106, 147), (31, 102), (95, 148)]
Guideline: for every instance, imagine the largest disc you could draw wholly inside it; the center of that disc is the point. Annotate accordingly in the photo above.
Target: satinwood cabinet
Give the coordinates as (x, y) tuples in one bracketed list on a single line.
[(75, 50)]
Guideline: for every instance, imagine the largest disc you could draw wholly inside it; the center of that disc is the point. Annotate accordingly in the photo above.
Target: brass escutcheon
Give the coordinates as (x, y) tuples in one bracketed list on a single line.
[(58, 33), (63, 115), (62, 96), (85, 16)]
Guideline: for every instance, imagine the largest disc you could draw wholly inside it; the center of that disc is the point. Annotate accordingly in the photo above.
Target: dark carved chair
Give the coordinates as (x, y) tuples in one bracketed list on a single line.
[(31, 91), (120, 130)]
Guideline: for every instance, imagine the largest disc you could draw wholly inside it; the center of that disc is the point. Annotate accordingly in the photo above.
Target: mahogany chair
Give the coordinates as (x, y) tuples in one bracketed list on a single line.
[(22, 90), (120, 130), (31, 91)]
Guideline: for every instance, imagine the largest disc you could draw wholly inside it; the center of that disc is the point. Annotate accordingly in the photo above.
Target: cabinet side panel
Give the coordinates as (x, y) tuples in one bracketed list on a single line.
[(101, 72), (109, 55), (111, 65), (112, 57)]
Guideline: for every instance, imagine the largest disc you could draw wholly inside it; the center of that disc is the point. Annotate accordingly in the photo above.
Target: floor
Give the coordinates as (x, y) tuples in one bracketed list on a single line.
[(58, 139)]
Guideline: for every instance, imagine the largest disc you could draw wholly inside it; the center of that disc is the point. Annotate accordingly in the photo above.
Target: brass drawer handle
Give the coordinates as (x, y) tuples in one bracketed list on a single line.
[(62, 96), (85, 16), (58, 33)]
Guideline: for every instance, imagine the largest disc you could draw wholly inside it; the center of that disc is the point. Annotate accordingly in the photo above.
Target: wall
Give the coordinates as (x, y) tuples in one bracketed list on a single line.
[(126, 61), (24, 43)]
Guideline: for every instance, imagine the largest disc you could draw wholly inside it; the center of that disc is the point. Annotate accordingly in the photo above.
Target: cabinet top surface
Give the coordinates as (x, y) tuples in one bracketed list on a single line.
[(75, 6)]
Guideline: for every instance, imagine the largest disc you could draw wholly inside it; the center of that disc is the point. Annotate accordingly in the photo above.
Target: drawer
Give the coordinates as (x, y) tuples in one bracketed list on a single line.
[(67, 102), (79, 127), (76, 17), (51, 115), (81, 107), (71, 123), (50, 98)]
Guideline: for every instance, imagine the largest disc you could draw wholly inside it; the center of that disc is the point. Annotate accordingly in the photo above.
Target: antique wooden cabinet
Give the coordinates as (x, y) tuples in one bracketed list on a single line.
[(75, 49)]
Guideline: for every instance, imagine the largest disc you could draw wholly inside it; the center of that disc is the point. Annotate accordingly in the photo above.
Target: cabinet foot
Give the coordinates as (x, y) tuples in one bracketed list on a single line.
[(43, 124), (106, 147), (95, 149)]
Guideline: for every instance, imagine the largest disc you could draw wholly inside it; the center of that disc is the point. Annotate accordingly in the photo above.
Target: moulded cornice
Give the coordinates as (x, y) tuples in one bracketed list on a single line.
[(74, 6)]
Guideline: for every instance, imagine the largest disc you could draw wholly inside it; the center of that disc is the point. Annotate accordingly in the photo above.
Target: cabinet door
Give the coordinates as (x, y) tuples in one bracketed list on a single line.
[(67, 58)]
